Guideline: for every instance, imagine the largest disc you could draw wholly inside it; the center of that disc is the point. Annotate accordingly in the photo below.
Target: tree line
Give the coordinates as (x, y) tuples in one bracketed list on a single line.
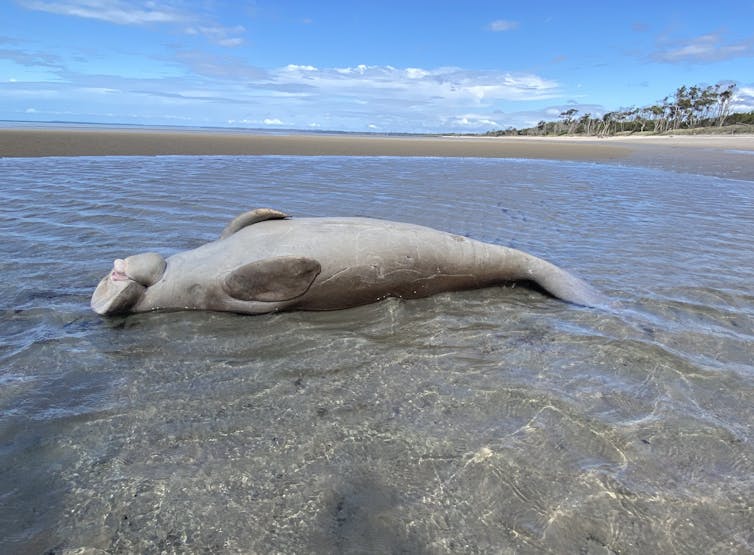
[(688, 108)]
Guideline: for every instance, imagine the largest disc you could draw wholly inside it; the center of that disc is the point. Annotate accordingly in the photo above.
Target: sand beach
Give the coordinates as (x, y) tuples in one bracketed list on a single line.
[(707, 154), (86, 142)]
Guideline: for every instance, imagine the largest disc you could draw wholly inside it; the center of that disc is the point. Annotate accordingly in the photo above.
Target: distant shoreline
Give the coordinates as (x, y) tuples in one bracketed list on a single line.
[(80, 141), (712, 154)]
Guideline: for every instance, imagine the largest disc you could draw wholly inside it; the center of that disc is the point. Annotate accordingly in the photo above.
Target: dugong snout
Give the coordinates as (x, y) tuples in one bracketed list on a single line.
[(146, 268)]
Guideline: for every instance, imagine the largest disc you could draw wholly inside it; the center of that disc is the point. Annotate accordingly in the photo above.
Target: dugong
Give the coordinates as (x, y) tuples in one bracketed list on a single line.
[(265, 261)]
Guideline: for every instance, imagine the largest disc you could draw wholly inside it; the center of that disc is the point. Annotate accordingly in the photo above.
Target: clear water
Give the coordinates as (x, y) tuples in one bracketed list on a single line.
[(496, 420)]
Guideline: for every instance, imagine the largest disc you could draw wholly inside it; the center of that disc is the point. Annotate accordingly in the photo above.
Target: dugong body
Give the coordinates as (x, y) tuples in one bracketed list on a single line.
[(265, 262)]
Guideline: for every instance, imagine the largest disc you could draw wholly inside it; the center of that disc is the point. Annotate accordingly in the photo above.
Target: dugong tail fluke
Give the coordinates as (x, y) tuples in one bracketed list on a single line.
[(265, 262), (554, 280)]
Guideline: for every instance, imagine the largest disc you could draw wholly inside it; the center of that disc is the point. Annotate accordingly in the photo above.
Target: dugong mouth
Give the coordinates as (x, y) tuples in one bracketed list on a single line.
[(119, 271), (116, 294)]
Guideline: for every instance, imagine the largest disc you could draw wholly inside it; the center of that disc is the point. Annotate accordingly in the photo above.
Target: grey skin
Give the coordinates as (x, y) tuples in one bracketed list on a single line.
[(265, 262)]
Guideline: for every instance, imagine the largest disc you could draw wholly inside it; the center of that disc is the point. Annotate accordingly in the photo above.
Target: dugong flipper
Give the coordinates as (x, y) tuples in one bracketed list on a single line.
[(264, 262), (272, 279)]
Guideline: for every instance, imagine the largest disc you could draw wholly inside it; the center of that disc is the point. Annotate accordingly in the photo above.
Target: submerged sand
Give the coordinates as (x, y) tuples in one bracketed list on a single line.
[(714, 154)]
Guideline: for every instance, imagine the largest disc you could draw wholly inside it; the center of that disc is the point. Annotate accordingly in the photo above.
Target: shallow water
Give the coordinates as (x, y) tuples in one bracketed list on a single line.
[(497, 420)]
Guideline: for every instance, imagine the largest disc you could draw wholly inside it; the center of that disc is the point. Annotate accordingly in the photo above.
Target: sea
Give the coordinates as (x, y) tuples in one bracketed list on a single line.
[(498, 420)]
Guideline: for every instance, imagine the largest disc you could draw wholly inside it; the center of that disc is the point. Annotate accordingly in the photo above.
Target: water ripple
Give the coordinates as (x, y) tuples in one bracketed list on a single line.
[(481, 421)]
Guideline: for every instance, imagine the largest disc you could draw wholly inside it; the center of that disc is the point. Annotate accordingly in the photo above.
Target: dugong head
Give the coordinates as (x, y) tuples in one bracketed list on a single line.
[(121, 289)]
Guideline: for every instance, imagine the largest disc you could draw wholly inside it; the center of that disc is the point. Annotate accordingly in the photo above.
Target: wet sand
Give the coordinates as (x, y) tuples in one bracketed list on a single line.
[(79, 142), (707, 154)]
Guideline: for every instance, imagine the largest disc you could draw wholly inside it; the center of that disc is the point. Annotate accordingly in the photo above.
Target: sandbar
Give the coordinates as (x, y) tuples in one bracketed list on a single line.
[(128, 142), (713, 154)]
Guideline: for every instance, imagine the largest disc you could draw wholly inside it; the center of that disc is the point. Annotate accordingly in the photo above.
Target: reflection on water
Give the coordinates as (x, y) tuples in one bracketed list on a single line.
[(482, 421)]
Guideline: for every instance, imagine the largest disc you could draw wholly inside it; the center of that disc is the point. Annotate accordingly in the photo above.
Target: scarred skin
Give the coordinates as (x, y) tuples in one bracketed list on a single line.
[(265, 262)]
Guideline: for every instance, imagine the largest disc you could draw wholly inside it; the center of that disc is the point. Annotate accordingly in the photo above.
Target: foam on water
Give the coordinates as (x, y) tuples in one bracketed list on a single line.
[(482, 421)]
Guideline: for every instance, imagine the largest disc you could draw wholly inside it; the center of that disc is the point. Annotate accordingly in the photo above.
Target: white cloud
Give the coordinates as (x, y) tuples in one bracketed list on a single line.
[(474, 121), (298, 68), (501, 25), (142, 12), (218, 34), (209, 89), (31, 59), (406, 99), (99, 90), (710, 47), (113, 11), (360, 69), (415, 73), (218, 67), (231, 42), (743, 100), (435, 85)]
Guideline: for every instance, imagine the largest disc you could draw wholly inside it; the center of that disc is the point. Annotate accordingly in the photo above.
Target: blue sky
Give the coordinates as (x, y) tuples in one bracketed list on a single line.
[(382, 65)]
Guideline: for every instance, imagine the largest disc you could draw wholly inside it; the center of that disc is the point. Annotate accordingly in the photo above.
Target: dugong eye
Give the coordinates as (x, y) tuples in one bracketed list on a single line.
[(146, 268)]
